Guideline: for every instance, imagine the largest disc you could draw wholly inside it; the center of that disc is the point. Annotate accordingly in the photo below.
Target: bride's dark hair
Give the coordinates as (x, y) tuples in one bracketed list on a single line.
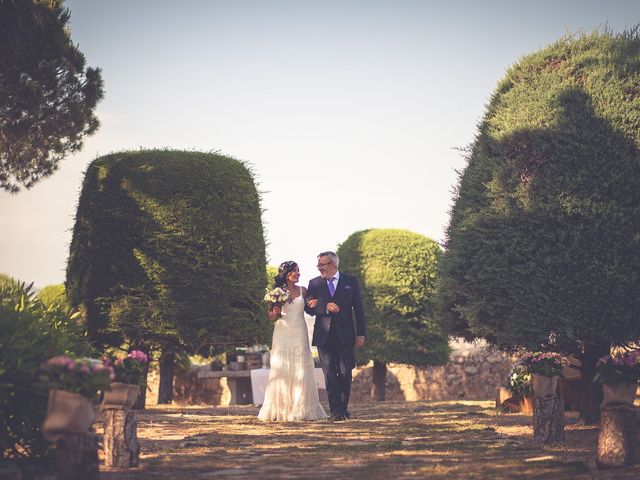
[(284, 269)]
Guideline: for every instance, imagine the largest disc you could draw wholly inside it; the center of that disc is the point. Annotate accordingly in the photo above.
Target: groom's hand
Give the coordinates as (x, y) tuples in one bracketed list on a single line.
[(333, 308), (359, 341)]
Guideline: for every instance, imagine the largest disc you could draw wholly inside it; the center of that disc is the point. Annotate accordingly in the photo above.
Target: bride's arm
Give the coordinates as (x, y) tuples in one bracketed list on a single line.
[(273, 313)]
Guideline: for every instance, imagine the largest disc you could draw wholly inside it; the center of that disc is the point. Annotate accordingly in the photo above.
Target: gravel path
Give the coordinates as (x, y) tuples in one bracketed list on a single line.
[(464, 439)]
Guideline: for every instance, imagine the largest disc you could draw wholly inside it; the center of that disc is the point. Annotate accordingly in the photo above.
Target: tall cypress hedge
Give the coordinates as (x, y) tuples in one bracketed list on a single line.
[(543, 246), (168, 249), (397, 272)]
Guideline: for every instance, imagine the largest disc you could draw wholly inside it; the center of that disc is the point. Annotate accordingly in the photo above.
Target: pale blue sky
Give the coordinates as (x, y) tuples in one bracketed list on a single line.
[(349, 111)]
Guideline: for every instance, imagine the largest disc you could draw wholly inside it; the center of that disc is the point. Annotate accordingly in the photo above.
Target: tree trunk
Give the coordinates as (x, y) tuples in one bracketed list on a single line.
[(591, 393), (548, 420), (77, 456), (142, 394), (617, 442), (167, 368), (121, 447), (379, 380)]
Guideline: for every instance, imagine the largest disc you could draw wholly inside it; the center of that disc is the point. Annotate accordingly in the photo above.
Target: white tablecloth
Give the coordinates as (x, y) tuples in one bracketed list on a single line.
[(259, 377)]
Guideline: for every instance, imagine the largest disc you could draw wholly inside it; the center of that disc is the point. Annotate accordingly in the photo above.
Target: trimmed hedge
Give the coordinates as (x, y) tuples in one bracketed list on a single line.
[(543, 250), (168, 248), (397, 272)]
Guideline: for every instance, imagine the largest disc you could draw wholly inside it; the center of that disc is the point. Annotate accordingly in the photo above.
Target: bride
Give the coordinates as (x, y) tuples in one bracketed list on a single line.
[(291, 392)]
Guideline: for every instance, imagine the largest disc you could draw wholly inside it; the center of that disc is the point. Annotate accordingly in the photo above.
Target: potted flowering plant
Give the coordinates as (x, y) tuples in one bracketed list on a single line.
[(618, 374), (516, 396), (520, 381), (130, 376), (73, 386), (130, 368), (545, 368), (549, 364), (84, 376)]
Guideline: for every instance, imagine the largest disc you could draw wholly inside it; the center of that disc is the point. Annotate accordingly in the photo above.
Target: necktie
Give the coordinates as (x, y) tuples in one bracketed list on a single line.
[(332, 289)]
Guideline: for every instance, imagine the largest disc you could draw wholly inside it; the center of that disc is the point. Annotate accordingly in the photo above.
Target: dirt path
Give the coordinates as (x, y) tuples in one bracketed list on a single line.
[(466, 440)]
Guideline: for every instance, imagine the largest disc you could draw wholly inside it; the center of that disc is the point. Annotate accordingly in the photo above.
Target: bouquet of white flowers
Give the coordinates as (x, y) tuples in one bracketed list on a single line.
[(277, 296)]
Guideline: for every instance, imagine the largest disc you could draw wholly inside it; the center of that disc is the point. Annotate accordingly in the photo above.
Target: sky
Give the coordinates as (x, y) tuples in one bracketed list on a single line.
[(352, 114)]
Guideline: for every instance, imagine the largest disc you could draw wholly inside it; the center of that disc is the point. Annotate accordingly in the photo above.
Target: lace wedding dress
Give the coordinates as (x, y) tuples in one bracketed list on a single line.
[(291, 394)]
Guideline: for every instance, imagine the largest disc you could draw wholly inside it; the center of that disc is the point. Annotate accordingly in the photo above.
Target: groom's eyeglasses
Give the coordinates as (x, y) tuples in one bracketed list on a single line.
[(322, 265)]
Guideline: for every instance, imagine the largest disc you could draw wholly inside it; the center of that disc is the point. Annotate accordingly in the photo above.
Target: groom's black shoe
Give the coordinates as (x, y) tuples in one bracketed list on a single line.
[(337, 417), (347, 415)]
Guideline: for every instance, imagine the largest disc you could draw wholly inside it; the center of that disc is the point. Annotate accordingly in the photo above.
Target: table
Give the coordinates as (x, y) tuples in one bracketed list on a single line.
[(248, 386)]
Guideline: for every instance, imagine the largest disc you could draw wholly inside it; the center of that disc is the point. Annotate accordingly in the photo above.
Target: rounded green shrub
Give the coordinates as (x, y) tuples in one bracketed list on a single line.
[(543, 245), (397, 273), (168, 249), (542, 249)]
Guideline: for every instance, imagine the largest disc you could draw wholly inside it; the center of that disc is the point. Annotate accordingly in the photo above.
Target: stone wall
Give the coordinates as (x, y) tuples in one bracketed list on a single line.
[(473, 372)]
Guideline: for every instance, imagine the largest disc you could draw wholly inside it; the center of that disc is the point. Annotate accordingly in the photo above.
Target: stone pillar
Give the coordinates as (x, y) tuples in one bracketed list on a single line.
[(121, 447), (77, 456), (618, 438), (548, 419)]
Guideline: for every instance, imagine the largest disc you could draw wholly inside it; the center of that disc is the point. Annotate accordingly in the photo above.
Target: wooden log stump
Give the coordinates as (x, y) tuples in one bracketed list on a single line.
[(618, 438), (548, 419), (121, 447), (77, 456)]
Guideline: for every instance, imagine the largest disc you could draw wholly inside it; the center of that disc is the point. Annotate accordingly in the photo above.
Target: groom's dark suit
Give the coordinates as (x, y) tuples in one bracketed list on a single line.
[(335, 333)]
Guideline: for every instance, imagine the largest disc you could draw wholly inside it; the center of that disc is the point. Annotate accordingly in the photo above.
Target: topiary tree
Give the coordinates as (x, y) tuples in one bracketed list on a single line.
[(542, 249), (168, 254), (47, 98), (397, 271)]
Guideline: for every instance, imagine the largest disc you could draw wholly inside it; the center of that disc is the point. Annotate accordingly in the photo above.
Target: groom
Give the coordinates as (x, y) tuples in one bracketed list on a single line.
[(334, 298)]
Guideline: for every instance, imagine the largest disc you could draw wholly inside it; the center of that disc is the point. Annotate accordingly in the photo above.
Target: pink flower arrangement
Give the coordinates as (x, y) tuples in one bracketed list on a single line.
[(548, 364), (85, 376), (620, 367), (130, 368)]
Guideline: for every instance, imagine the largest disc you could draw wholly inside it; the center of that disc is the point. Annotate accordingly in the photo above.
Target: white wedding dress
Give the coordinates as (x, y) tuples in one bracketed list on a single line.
[(291, 393)]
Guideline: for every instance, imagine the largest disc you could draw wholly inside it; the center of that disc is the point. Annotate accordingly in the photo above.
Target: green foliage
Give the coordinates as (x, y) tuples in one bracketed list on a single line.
[(47, 98), (267, 336), (53, 295), (168, 249), (64, 318), (30, 334), (397, 271), (520, 381), (542, 250), (272, 273)]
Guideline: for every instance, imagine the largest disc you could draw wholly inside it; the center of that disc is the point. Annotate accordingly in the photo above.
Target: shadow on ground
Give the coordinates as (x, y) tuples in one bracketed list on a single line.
[(389, 440)]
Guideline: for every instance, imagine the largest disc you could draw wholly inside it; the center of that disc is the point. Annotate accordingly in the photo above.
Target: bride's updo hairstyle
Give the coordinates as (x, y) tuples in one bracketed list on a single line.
[(284, 269)]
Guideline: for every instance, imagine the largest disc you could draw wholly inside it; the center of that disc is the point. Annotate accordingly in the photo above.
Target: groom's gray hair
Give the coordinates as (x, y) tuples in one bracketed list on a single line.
[(332, 256)]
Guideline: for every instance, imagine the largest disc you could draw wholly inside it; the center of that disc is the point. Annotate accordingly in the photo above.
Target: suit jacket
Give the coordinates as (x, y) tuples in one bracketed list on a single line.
[(348, 298)]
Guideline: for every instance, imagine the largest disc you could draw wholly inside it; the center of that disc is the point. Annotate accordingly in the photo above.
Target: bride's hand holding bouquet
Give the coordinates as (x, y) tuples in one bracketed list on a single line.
[(276, 299)]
